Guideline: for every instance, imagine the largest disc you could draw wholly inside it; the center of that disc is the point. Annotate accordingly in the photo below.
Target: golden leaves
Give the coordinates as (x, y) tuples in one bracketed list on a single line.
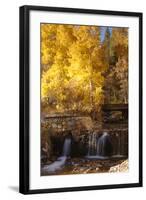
[(72, 56)]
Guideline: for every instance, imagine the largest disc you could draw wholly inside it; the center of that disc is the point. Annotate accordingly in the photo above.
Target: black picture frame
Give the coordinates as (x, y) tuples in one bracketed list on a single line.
[(25, 105)]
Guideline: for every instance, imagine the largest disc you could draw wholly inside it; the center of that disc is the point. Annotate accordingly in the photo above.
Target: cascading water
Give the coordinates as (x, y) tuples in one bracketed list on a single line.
[(59, 163), (119, 149), (66, 147), (92, 144), (104, 145), (99, 148)]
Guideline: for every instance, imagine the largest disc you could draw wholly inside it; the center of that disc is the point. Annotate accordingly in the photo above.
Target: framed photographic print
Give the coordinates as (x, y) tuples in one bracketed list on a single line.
[(80, 99)]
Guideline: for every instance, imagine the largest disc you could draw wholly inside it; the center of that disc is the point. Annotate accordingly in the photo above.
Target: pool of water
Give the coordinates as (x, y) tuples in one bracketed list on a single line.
[(64, 165)]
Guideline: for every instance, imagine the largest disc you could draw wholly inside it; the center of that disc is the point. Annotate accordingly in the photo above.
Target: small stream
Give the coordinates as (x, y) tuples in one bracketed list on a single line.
[(99, 158), (60, 162)]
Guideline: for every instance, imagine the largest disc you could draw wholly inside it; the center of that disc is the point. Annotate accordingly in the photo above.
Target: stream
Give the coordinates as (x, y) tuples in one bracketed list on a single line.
[(99, 158)]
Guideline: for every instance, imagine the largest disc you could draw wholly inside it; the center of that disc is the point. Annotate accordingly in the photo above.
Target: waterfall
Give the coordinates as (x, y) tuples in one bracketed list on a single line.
[(101, 147), (120, 148), (66, 147), (104, 145), (60, 162), (92, 146)]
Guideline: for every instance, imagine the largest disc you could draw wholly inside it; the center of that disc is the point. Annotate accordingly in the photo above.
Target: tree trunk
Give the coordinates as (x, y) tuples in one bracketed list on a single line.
[(92, 99)]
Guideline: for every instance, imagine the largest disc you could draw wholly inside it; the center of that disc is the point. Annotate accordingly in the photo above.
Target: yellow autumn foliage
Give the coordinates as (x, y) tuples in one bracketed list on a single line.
[(72, 66)]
